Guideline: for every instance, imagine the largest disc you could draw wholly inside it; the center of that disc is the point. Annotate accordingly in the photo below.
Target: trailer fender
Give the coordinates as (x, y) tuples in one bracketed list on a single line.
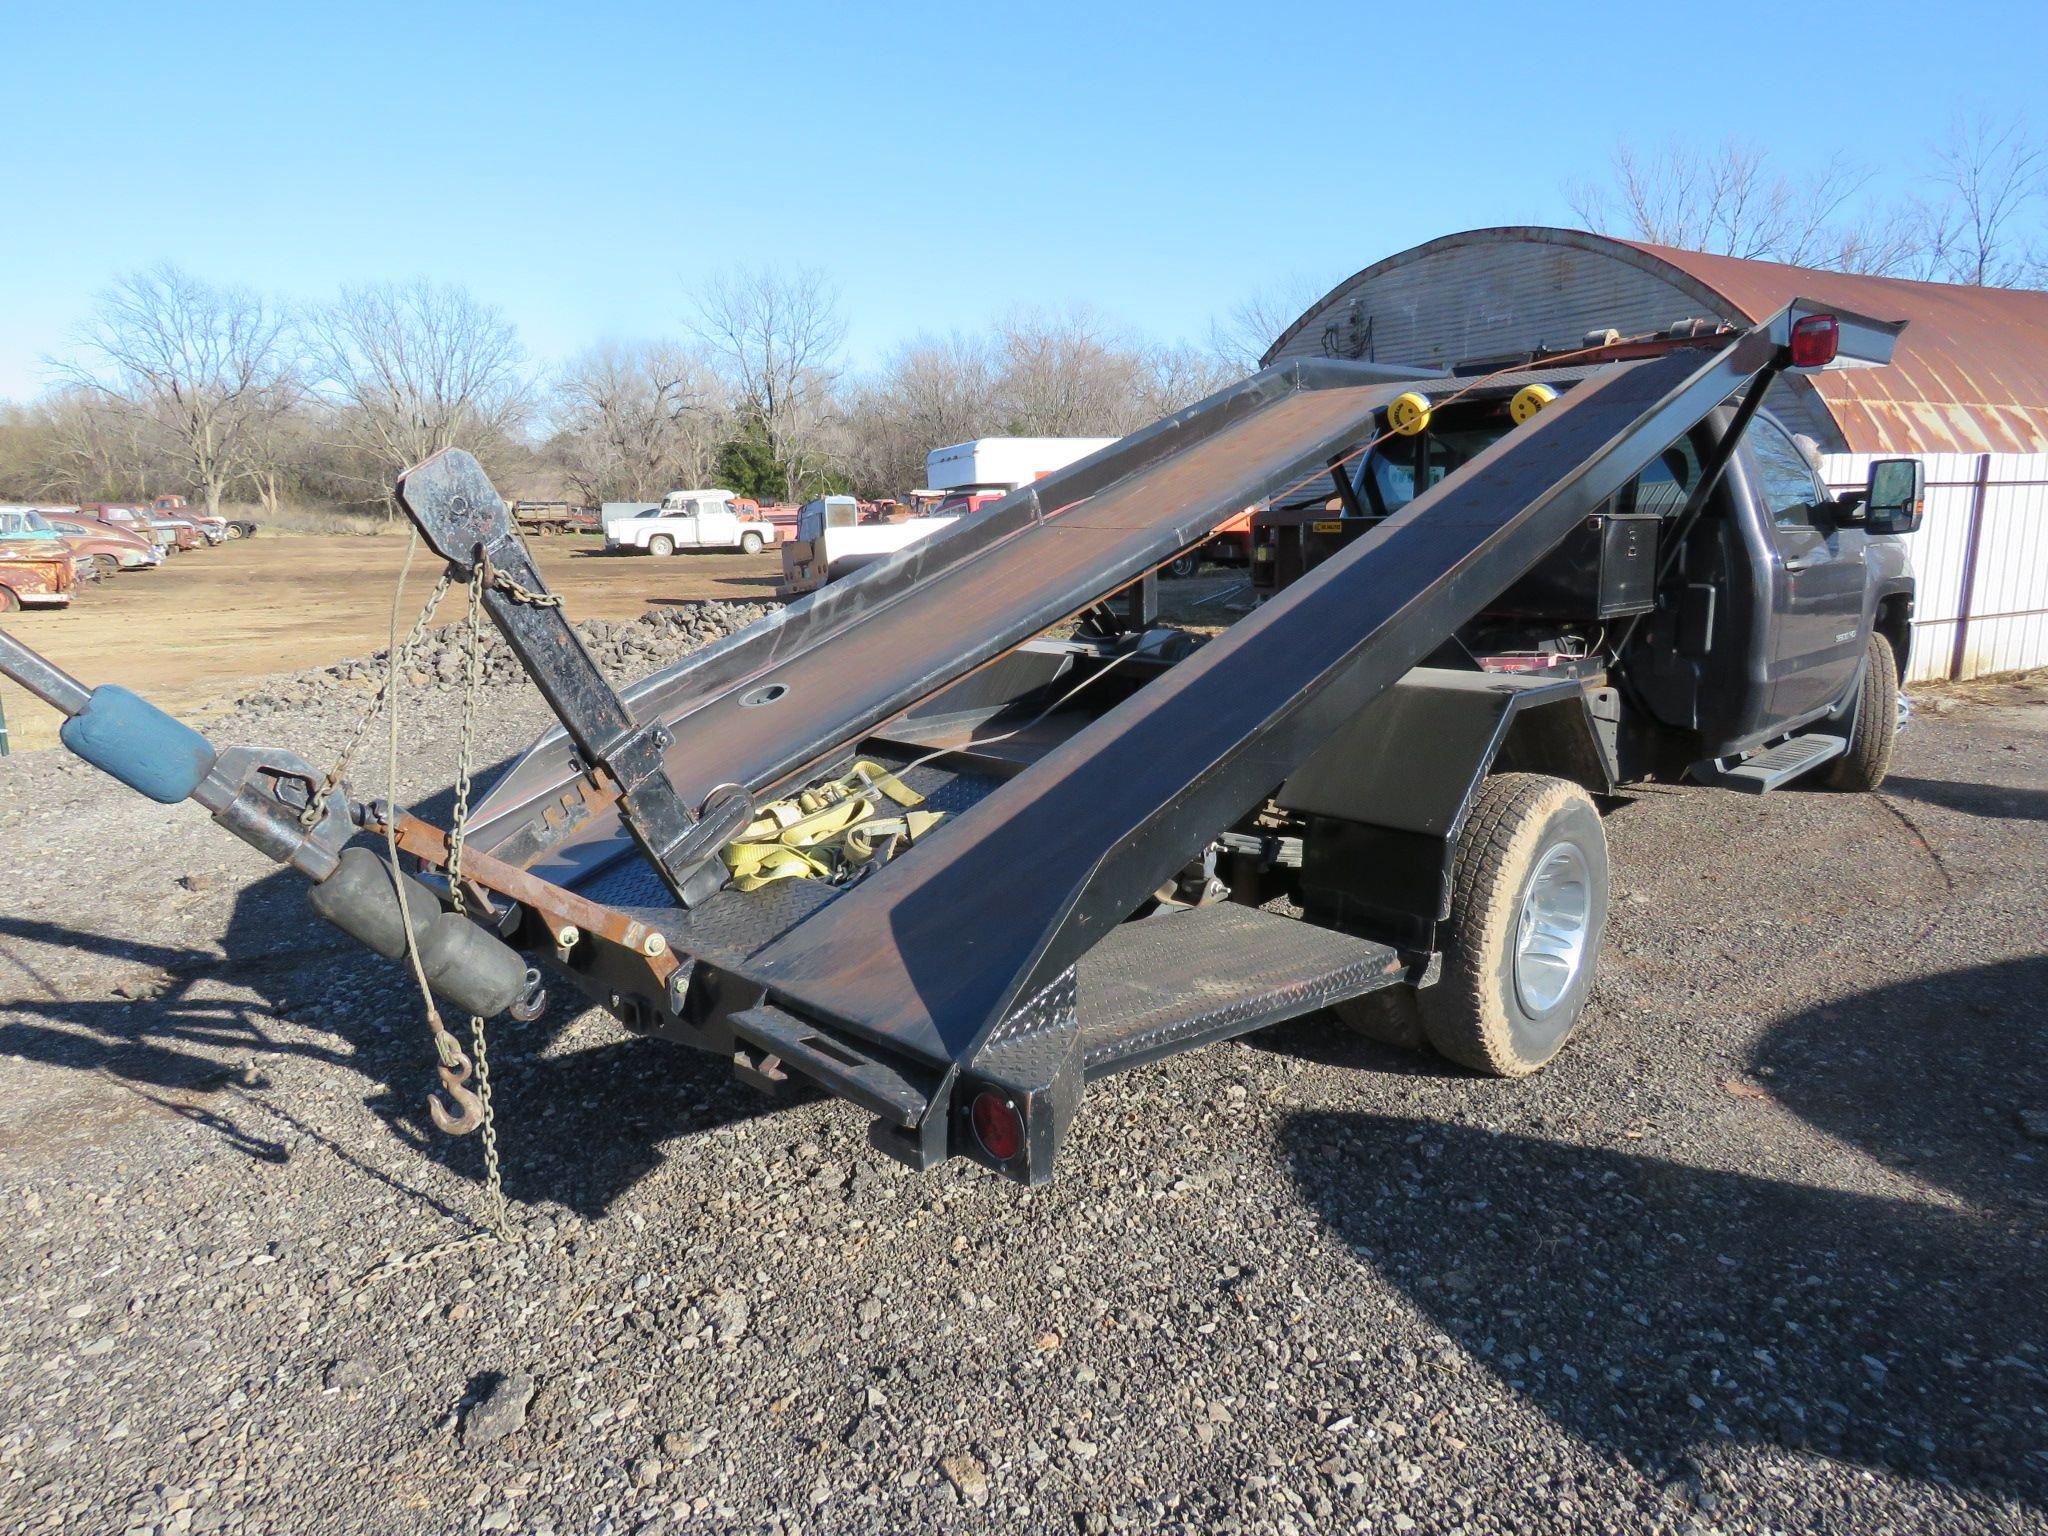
[(1386, 796)]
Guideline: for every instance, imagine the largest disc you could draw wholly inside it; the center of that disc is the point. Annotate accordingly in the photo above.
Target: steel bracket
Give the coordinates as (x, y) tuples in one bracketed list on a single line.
[(464, 521)]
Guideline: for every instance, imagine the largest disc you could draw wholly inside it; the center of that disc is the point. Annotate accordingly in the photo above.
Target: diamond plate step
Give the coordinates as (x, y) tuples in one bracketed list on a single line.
[(1168, 983)]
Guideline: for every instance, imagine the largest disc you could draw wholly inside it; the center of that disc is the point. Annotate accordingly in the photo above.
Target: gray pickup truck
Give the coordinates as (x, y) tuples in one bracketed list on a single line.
[(1723, 619)]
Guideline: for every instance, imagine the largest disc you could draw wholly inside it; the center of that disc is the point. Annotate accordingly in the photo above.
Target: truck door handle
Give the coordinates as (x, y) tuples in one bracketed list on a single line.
[(1805, 564)]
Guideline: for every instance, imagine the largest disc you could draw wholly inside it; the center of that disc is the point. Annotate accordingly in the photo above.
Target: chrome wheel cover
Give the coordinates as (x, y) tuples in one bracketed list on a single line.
[(1551, 938)]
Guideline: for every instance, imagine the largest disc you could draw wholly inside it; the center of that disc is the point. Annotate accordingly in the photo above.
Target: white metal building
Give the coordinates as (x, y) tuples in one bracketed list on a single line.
[(1968, 392)]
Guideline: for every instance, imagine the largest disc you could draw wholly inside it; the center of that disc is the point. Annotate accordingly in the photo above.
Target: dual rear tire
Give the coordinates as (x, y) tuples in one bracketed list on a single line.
[(1529, 897)]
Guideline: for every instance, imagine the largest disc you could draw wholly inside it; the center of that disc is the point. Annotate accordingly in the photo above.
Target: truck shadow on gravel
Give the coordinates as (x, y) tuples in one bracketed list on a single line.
[(1657, 1308), (579, 1126)]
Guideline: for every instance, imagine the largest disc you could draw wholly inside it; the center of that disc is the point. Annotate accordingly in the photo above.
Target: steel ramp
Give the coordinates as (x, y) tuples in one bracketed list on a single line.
[(933, 954), (775, 699)]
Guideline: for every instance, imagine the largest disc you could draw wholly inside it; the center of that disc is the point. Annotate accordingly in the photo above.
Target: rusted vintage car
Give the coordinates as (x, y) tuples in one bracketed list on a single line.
[(34, 573), (145, 523), (104, 548)]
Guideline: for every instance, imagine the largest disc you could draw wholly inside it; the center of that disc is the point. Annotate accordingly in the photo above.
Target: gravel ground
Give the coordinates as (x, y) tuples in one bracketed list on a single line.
[(1761, 1252)]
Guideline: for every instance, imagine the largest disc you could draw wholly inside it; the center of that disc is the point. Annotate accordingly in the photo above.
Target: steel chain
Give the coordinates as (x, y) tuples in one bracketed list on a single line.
[(498, 1217), (309, 818), (497, 1223)]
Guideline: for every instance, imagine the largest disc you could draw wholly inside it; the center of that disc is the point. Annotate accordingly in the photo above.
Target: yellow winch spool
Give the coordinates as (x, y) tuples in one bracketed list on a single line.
[(1530, 399), (1408, 413)]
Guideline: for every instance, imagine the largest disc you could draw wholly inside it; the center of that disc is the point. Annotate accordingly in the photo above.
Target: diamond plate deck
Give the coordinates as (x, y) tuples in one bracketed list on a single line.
[(1163, 984)]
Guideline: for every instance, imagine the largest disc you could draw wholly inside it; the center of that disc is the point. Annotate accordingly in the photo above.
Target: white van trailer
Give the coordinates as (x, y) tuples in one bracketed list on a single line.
[(1004, 463)]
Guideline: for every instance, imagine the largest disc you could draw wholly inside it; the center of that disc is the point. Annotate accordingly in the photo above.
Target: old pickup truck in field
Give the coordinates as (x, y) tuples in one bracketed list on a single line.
[(687, 520), (35, 573)]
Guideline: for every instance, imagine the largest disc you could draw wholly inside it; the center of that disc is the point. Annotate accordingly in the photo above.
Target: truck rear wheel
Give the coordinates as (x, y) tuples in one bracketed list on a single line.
[(1182, 566), (661, 544), (1864, 765), (1528, 911), (750, 543)]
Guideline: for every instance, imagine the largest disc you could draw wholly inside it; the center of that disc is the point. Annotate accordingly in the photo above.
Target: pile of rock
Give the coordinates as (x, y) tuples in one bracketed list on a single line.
[(627, 649)]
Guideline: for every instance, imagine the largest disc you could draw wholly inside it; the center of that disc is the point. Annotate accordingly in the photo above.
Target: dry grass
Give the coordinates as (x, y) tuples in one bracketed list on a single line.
[(325, 520)]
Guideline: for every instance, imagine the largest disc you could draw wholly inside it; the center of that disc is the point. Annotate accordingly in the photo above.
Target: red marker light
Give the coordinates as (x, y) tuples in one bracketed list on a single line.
[(997, 1125), (1815, 339)]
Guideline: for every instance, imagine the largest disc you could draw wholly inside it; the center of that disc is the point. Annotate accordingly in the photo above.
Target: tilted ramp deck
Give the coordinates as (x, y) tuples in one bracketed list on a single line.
[(998, 947)]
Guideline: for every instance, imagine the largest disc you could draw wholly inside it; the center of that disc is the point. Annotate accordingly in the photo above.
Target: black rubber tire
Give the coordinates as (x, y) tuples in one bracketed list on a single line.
[(1869, 757), (1474, 1014), (9, 603), (750, 543), (1180, 567), (1388, 1016), (661, 544), (106, 565)]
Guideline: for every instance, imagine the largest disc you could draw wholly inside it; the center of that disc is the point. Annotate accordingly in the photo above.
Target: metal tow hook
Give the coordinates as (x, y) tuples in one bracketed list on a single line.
[(455, 1082), (533, 999)]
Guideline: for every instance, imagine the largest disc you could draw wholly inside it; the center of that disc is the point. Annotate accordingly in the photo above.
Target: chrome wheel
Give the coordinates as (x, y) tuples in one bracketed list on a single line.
[(1550, 939)]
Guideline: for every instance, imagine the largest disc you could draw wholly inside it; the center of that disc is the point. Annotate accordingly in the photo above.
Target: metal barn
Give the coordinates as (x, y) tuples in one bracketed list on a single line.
[(1968, 393)]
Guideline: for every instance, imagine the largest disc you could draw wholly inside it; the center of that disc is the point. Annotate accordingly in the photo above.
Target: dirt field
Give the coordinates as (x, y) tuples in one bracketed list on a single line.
[(184, 634)]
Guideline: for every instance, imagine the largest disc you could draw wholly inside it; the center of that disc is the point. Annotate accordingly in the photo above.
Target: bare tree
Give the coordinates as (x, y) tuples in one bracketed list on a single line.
[(777, 335), (1991, 173), (1729, 200), (191, 360), (1067, 375), (1244, 333), (634, 422), (276, 443), (417, 367), (1178, 376), (931, 392)]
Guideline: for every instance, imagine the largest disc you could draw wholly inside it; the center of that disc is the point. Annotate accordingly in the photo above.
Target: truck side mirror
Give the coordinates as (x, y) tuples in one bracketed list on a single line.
[(1894, 497)]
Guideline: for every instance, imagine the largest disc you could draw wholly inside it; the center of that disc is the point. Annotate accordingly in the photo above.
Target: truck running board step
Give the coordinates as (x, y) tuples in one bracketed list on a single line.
[(1775, 767), (1163, 984)]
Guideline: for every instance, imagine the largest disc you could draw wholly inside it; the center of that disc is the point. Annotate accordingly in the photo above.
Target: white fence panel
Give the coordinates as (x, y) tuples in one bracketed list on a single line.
[(1981, 557)]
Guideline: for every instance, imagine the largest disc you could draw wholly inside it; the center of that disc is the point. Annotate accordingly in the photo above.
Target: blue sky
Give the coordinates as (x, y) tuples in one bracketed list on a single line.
[(581, 165)]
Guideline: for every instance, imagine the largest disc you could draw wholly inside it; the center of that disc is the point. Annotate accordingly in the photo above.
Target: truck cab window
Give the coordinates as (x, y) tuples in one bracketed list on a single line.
[(1664, 486), (1790, 490)]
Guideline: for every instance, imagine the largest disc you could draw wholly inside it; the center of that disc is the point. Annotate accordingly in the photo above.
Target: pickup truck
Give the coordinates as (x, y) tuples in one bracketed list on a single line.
[(1722, 619), (689, 520), (35, 573)]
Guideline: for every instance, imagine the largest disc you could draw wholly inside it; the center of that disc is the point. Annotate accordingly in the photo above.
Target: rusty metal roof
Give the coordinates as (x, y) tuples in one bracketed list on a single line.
[(1971, 373)]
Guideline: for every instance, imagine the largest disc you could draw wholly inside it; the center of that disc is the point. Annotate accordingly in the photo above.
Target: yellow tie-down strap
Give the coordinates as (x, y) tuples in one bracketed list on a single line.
[(828, 832)]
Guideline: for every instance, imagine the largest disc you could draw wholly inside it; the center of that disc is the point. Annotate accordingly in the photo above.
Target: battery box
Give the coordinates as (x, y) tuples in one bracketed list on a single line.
[(1606, 568)]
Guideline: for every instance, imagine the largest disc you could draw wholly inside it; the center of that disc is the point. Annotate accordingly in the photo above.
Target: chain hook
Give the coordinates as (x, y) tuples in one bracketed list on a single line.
[(455, 1083)]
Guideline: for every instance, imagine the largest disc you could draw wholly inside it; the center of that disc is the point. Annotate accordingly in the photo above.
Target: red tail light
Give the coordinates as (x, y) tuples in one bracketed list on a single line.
[(1815, 339), (997, 1125)]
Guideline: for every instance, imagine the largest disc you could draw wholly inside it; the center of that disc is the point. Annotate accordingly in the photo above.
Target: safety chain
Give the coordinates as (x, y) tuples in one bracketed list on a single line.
[(394, 661), (455, 1066), (500, 581), (498, 1217)]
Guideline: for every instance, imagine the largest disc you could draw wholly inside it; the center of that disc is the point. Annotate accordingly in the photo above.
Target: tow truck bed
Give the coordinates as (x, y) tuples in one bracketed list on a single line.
[(1001, 958), (998, 953)]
